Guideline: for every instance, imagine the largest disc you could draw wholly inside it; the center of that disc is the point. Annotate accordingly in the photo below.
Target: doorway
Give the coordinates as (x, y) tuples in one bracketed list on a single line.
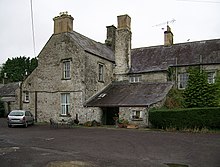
[(109, 114)]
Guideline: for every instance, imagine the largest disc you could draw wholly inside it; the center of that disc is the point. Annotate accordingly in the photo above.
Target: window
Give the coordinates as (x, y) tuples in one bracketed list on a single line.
[(182, 80), (66, 69), (211, 77), (101, 73), (136, 114), (65, 103), (26, 96), (134, 79)]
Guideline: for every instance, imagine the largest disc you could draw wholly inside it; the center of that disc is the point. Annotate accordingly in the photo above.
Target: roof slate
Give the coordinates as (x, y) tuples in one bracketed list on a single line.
[(92, 46), (8, 89), (161, 57), (125, 94)]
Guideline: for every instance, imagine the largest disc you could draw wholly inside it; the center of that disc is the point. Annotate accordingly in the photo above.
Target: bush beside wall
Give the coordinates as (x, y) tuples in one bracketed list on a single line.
[(191, 118)]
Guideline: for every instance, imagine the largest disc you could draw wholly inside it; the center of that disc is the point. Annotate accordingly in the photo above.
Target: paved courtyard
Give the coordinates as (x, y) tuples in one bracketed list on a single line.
[(39, 145)]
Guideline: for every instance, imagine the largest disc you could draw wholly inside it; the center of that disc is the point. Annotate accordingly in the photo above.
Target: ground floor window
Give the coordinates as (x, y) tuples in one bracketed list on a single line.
[(65, 103), (137, 114)]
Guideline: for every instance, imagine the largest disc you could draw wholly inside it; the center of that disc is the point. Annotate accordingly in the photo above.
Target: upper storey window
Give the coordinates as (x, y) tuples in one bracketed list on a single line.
[(101, 73), (66, 70), (211, 77), (182, 80), (134, 79)]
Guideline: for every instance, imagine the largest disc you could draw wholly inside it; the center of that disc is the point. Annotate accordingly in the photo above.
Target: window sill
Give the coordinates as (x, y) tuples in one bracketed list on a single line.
[(26, 101), (137, 119), (101, 81), (68, 115), (66, 79)]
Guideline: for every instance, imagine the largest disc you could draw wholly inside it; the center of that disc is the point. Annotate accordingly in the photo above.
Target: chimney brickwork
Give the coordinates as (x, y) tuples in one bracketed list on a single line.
[(110, 40), (122, 47), (63, 23), (168, 37)]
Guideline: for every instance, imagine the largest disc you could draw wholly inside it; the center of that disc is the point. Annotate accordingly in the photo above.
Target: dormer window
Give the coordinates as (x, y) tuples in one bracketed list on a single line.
[(135, 79)]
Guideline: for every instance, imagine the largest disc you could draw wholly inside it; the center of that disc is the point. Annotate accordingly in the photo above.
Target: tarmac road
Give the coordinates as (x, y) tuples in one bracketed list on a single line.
[(39, 146)]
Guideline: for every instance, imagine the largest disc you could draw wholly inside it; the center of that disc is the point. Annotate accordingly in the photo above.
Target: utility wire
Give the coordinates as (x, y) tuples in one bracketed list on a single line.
[(200, 1), (32, 23)]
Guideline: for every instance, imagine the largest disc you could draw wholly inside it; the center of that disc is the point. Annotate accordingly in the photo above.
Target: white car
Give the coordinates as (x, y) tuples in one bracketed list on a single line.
[(20, 117)]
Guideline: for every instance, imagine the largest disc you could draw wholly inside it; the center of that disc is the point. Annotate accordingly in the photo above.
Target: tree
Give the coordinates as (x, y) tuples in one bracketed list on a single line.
[(2, 110), (16, 68), (199, 93)]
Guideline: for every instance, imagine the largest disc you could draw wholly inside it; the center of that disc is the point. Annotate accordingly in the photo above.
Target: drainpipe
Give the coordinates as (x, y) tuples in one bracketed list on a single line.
[(35, 107), (147, 119), (20, 101)]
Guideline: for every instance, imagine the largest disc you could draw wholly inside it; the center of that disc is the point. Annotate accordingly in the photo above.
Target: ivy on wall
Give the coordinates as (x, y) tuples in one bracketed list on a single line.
[(199, 93)]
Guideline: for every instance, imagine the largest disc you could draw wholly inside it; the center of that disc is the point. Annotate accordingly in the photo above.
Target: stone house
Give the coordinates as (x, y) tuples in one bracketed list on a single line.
[(10, 96), (78, 77)]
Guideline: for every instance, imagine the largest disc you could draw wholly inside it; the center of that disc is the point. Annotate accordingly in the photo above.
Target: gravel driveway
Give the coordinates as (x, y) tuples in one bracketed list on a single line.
[(39, 145)]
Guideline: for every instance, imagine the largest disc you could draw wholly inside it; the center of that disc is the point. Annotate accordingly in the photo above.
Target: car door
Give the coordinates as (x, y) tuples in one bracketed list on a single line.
[(28, 116)]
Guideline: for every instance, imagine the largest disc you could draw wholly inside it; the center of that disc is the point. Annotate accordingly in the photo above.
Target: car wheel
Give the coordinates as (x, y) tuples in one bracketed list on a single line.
[(9, 126)]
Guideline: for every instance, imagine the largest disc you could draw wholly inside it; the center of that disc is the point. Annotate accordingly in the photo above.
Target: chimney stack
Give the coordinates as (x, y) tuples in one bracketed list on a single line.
[(123, 47), (110, 40), (63, 23), (168, 37), (124, 22)]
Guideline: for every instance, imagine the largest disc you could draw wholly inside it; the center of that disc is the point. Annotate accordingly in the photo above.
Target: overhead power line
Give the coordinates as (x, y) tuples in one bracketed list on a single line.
[(32, 23), (200, 1)]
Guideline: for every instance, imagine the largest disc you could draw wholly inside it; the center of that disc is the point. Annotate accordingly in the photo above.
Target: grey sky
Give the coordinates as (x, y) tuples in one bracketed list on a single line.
[(195, 20)]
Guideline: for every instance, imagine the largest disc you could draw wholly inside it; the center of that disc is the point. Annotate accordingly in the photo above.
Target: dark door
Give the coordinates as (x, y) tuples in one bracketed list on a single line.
[(109, 115)]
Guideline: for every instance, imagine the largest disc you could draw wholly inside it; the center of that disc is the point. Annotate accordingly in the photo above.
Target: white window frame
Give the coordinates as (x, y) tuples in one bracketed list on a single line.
[(182, 80), (137, 115), (65, 104), (26, 96), (101, 72), (211, 77), (134, 79), (66, 69)]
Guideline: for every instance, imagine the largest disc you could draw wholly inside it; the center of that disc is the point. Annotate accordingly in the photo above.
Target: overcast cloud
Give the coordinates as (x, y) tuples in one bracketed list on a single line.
[(195, 20)]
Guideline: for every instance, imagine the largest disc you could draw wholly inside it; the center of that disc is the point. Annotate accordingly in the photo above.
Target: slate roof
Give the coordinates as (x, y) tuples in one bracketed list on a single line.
[(159, 58), (8, 89), (92, 46), (125, 94)]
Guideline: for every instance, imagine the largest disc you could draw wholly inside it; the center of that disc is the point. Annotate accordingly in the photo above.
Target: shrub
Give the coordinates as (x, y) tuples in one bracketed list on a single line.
[(193, 118), (2, 110), (174, 99)]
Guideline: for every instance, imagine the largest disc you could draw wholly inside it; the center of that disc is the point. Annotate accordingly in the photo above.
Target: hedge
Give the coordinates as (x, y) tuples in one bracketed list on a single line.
[(193, 118)]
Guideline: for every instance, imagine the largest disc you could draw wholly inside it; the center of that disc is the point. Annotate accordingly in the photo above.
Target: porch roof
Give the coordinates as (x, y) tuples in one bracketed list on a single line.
[(125, 94), (8, 99)]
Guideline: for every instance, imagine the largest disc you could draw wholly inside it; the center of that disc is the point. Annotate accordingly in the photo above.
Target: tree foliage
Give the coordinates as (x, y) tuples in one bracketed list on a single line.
[(199, 93), (217, 88), (16, 68), (174, 99)]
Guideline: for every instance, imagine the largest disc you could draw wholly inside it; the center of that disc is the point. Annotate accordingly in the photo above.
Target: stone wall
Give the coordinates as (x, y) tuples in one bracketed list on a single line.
[(154, 77), (46, 84), (92, 85), (126, 113)]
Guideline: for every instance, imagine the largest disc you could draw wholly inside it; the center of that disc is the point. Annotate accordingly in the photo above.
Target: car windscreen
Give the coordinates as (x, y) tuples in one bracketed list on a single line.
[(16, 113)]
